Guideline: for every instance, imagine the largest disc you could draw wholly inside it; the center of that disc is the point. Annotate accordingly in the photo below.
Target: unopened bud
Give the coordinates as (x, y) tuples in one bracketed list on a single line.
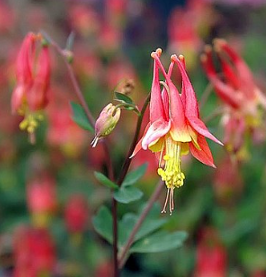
[(69, 55), (106, 122)]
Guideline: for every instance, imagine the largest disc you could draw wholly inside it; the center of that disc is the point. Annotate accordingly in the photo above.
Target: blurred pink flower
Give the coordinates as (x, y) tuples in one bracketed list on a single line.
[(239, 2), (188, 37), (109, 38), (228, 182), (238, 91), (63, 132), (7, 17), (117, 71), (211, 256), (76, 213), (34, 252), (41, 195), (83, 19)]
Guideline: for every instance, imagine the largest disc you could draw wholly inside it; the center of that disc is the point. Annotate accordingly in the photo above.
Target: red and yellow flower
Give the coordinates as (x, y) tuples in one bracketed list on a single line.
[(33, 70), (236, 87), (175, 127)]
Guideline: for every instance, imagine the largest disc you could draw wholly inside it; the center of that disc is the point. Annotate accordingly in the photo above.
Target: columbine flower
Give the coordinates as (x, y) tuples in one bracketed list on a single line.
[(33, 78), (237, 89), (106, 122), (175, 127)]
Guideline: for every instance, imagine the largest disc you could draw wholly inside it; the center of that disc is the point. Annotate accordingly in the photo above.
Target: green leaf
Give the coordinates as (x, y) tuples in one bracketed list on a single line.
[(105, 181), (102, 223), (123, 98), (126, 195), (159, 242), (79, 116), (148, 226), (133, 176)]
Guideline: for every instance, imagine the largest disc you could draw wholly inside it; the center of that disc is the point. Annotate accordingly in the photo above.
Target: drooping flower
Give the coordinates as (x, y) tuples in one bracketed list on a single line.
[(175, 127), (238, 91), (29, 97)]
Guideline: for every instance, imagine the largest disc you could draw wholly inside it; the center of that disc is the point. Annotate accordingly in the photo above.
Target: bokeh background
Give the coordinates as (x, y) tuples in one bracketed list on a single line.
[(51, 184)]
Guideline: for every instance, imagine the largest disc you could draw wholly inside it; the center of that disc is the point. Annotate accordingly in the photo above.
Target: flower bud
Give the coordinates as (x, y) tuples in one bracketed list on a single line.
[(106, 122)]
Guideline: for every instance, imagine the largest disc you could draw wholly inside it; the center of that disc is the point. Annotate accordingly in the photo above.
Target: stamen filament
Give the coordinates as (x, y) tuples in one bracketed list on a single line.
[(170, 170), (166, 201)]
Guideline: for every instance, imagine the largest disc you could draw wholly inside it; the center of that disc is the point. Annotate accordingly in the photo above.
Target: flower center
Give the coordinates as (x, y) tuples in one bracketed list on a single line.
[(30, 121), (171, 172)]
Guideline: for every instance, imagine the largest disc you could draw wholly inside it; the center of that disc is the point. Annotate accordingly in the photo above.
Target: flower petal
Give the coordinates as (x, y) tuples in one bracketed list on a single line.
[(200, 127), (157, 130), (176, 106), (224, 91), (156, 103), (139, 144), (204, 154), (191, 103)]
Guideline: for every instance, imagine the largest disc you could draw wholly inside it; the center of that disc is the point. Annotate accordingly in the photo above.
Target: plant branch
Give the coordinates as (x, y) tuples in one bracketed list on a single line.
[(123, 257), (119, 182), (73, 79), (127, 161), (91, 119)]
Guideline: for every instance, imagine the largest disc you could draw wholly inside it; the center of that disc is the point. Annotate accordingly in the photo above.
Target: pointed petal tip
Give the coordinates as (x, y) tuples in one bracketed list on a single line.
[(181, 57)]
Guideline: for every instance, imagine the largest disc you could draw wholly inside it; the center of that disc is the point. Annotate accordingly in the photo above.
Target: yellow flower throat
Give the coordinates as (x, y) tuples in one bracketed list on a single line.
[(171, 172)]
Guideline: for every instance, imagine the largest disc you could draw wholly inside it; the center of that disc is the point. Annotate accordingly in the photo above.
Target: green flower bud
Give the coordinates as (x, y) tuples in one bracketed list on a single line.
[(106, 122)]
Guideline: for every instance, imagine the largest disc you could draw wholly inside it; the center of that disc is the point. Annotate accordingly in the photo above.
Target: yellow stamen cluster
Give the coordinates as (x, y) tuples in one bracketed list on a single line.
[(171, 172), (30, 122)]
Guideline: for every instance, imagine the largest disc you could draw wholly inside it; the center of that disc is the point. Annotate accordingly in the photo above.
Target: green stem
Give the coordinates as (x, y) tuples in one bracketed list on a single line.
[(91, 119), (120, 181), (124, 254), (127, 161)]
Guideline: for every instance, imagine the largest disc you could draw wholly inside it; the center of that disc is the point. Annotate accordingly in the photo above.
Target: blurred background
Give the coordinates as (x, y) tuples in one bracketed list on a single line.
[(48, 193)]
